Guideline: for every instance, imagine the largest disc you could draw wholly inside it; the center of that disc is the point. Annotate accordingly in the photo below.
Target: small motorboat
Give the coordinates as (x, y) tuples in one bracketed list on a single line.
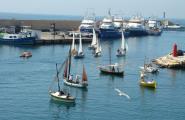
[(26, 54), (144, 83), (151, 84)]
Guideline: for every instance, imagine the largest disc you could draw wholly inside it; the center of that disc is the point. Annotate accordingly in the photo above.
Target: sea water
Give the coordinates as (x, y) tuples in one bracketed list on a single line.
[(24, 83)]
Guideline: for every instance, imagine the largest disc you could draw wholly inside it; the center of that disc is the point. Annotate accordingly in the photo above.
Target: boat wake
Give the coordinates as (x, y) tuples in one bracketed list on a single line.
[(121, 93)]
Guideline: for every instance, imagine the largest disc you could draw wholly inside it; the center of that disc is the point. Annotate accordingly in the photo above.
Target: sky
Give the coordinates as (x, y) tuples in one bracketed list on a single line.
[(128, 8)]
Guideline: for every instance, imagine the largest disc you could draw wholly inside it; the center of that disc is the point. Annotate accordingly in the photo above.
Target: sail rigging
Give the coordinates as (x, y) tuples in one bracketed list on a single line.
[(58, 78), (69, 63)]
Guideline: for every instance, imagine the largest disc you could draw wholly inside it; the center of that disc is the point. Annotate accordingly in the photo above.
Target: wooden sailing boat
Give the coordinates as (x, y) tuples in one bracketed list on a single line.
[(113, 69), (144, 83), (59, 95), (68, 77), (80, 53), (97, 51), (122, 51), (94, 41), (73, 47)]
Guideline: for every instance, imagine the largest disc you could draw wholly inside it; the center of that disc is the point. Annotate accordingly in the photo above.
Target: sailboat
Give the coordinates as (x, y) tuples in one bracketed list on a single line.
[(97, 52), (94, 41), (68, 77), (113, 69), (144, 83), (80, 53), (122, 51), (59, 95), (73, 47)]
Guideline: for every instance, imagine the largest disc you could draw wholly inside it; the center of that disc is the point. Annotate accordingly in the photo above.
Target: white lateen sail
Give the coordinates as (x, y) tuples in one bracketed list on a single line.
[(94, 41), (73, 47)]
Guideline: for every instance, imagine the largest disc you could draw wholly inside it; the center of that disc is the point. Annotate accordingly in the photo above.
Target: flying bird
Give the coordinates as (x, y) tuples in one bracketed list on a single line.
[(121, 93)]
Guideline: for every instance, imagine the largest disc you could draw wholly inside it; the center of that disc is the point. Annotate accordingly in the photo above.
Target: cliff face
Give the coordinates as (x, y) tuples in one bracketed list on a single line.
[(63, 25)]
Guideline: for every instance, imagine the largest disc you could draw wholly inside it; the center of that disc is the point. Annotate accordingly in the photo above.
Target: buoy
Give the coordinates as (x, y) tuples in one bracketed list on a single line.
[(175, 50)]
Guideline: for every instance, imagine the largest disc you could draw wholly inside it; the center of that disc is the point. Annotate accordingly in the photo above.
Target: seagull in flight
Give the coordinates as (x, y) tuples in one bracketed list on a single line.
[(121, 93)]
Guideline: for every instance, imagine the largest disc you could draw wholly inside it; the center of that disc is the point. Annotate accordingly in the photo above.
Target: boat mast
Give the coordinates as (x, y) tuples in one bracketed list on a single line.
[(57, 78), (110, 55)]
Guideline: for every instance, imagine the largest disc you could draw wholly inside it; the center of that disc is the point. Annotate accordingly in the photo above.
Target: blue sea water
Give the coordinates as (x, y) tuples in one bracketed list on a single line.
[(24, 83)]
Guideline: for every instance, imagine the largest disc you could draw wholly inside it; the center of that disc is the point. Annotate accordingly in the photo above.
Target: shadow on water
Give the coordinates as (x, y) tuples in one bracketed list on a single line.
[(58, 108)]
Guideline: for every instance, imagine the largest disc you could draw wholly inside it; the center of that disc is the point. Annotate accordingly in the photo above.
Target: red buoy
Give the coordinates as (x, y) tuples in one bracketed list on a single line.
[(175, 50)]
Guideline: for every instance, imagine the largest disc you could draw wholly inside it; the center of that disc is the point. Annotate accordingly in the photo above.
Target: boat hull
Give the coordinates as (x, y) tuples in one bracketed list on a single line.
[(136, 32), (62, 98), (106, 71), (79, 56), (73, 84), (109, 33), (20, 41)]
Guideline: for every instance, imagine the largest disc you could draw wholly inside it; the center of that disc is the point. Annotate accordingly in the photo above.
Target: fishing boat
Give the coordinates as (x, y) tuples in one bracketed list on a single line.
[(68, 77), (107, 28), (97, 51), (94, 41), (136, 27), (26, 54), (88, 24), (144, 83), (122, 51), (73, 47), (80, 53), (18, 39), (59, 95), (112, 69)]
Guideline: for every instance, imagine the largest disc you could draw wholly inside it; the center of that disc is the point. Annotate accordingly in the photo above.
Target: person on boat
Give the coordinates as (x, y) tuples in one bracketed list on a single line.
[(118, 51), (71, 78), (77, 78), (61, 92), (113, 69)]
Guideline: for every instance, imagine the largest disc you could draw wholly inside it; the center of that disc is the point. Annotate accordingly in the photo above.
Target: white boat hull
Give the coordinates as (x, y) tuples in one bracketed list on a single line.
[(63, 98), (79, 85)]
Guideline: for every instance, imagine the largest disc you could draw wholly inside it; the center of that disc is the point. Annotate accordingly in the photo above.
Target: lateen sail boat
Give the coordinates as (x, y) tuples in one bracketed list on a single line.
[(97, 49), (94, 41), (80, 53), (68, 78), (113, 69), (73, 47), (124, 47), (60, 95)]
